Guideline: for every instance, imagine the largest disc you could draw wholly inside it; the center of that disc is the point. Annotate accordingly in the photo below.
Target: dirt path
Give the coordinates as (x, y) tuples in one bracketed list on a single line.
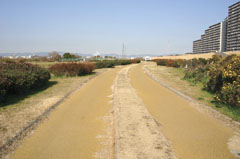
[(194, 135), (76, 129), (137, 135), (89, 125)]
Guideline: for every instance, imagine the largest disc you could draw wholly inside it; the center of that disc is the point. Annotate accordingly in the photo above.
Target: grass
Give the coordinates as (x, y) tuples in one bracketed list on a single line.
[(174, 77), (230, 111)]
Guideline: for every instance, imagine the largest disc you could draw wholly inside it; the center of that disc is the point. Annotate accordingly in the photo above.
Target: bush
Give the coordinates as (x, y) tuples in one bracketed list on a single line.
[(17, 78), (215, 79), (123, 62), (225, 80), (105, 64), (197, 75), (161, 62), (135, 61), (170, 63), (112, 63), (72, 69)]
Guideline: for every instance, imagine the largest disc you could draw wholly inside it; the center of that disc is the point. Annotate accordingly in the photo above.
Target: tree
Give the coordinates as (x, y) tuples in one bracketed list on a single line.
[(67, 55), (55, 56)]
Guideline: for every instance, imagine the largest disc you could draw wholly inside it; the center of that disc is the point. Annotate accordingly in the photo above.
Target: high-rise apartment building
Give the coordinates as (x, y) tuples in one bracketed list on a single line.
[(197, 46), (213, 40), (233, 33), (224, 36)]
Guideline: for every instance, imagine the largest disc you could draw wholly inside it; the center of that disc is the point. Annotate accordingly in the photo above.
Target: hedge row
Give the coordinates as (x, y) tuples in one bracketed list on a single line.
[(220, 76), (112, 63), (72, 69), (135, 61), (193, 63), (105, 64), (169, 62), (18, 78)]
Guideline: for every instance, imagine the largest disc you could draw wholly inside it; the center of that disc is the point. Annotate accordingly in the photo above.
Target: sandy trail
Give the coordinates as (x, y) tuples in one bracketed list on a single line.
[(137, 136), (76, 129), (82, 126), (194, 135)]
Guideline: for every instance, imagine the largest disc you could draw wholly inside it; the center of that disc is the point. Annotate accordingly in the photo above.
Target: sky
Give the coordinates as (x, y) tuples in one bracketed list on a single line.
[(158, 27)]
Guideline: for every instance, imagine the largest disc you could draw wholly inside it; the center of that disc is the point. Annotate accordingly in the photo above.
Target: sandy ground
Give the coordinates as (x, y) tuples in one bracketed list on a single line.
[(193, 134), (77, 128), (137, 135), (186, 56), (233, 52), (191, 56)]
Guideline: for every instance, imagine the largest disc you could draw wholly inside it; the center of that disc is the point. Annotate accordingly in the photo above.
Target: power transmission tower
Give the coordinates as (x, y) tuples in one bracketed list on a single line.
[(123, 51)]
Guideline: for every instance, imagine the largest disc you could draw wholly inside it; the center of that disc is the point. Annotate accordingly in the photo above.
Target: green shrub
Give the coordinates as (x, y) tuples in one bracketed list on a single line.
[(197, 75), (105, 64), (224, 80), (112, 63), (18, 78), (230, 90), (215, 79), (220, 76), (161, 62), (72, 69)]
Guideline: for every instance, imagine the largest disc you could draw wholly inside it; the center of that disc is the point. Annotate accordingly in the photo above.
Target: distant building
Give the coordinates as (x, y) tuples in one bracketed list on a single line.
[(233, 34), (221, 37), (197, 46), (214, 39)]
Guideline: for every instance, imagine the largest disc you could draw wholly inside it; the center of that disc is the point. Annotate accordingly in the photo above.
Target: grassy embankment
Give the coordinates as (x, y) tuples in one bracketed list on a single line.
[(174, 77)]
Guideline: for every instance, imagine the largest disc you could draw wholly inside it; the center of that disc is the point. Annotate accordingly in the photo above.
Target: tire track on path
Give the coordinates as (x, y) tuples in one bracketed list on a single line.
[(137, 135)]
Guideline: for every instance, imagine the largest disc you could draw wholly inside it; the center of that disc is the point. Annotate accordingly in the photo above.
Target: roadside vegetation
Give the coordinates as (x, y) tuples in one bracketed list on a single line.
[(71, 69), (218, 77), (19, 78), (112, 63)]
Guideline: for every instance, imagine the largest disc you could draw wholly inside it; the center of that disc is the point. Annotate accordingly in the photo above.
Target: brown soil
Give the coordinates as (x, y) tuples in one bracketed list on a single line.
[(193, 134), (77, 128)]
